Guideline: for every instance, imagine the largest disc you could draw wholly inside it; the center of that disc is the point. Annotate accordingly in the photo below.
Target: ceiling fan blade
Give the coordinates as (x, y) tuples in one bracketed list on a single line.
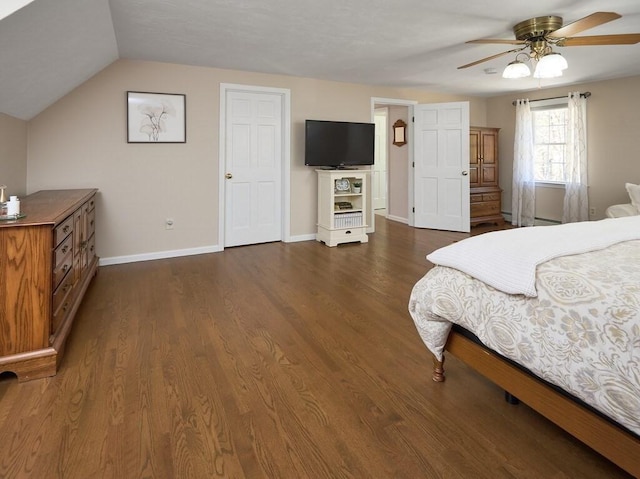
[(590, 21), (489, 58), (502, 41), (622, 39)]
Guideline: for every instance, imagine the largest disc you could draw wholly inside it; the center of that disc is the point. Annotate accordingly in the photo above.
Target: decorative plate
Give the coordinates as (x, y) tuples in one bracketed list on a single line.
[(343, 184)]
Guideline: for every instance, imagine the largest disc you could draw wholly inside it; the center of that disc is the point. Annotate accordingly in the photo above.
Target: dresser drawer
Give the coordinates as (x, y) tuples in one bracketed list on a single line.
[(61, 269), (348, 234), (63, 311), (62, 250), (485, 208), (62, 290), (62, 231), (491, 197), (476, 198), (91, 222), (91, 204), (91, 248)]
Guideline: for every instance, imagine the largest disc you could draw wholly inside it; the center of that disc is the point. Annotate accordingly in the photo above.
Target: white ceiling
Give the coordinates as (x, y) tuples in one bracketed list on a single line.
[(48, 48)]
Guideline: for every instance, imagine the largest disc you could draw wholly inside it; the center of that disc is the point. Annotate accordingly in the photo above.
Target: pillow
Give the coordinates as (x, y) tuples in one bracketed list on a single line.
[(634, 194)]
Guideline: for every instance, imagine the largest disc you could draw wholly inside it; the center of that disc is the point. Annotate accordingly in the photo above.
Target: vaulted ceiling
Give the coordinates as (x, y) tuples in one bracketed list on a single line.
[(48, 48)]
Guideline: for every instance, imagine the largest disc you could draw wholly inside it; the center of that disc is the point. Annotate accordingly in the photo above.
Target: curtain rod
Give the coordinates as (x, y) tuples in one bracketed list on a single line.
[(586, 94)]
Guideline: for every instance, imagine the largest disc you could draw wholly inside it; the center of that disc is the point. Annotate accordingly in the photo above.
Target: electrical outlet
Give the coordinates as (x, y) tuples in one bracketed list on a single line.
[(592, 211), (168, 224)]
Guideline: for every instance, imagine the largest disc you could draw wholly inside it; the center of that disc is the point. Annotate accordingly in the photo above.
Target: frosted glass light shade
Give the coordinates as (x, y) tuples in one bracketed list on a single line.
[(550, 66), (556, 60), (516, 69)]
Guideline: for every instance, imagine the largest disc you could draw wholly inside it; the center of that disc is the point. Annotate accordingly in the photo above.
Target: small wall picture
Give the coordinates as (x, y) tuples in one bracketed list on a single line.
[(156, 117)]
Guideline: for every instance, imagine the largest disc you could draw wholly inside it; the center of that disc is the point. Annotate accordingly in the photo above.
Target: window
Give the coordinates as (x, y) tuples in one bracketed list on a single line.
[(549, 137)]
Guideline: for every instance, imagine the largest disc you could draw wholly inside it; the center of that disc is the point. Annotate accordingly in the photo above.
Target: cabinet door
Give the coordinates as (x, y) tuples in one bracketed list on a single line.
[(489, 159), (474, 157)]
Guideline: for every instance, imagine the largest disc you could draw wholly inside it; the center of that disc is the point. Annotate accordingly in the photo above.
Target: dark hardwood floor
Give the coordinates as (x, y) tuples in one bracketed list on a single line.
[(271, 361)]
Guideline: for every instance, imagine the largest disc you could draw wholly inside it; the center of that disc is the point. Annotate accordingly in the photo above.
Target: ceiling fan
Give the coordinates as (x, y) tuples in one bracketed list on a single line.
[(540, 34)]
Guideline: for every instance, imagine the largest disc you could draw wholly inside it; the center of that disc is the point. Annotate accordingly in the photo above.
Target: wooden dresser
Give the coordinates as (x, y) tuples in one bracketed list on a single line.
[(486, 195), (47, 260)]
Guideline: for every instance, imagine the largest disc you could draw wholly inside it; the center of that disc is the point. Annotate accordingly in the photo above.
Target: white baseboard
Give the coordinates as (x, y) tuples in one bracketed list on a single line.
[(295, 239), (536, 221), (159, 255), (183, 252), (398, 219)]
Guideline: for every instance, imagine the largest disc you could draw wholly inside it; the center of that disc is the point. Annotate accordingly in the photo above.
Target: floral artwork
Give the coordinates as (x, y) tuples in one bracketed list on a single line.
[(156, 117)]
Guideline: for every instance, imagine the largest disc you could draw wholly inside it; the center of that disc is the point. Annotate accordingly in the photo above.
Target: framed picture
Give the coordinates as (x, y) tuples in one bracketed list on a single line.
[(399, 133), (156, 117)]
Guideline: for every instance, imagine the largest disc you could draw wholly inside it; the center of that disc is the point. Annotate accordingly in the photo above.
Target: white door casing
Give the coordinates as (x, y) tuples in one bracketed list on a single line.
[(379, 172), (254, 165), (441, 156)]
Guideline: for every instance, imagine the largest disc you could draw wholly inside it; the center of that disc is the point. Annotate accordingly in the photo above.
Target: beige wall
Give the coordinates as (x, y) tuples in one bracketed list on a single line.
[(398, 166), (13, 155), (613, 125), (80, 141)]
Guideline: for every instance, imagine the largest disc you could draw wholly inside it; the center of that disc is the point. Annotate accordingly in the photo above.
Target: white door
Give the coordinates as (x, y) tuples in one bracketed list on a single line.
[(441, 173), (253, 168), (379, 189)]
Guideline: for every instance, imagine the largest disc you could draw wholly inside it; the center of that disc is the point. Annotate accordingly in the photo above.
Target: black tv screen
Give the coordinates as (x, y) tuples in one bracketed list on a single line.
[(338, 143)]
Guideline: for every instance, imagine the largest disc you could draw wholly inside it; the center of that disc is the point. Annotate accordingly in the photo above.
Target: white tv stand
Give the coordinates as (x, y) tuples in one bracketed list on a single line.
[(338, 225)]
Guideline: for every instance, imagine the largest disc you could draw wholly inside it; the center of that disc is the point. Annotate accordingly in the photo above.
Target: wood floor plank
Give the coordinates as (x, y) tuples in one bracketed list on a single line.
[(271, 361)]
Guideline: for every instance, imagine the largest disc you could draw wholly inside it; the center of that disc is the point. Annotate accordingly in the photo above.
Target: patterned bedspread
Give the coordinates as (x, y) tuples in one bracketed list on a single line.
[(582, 331)]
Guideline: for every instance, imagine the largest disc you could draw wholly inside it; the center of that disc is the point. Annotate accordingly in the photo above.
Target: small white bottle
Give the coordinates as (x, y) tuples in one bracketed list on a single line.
[(13, 206)]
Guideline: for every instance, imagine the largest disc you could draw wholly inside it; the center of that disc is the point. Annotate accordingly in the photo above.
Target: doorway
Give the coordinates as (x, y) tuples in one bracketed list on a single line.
[(401, 198), (399, 159)]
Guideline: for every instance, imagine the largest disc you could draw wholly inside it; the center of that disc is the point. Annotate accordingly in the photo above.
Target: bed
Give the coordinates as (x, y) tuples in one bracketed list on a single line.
[(552, 315)]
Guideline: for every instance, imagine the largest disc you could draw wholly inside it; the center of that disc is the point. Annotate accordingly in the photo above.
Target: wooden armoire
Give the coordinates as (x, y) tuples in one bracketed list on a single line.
[(486, 195)]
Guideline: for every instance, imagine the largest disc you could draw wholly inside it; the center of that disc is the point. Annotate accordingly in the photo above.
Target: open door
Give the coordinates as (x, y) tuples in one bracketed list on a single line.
[(441, 166)]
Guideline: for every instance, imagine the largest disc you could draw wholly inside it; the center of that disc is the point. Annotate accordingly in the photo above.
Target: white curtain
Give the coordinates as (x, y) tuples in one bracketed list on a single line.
[(523, 197), (576, 202)]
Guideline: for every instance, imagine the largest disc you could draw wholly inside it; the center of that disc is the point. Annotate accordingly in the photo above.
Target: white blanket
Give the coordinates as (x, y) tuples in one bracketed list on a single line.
[(507, 259)]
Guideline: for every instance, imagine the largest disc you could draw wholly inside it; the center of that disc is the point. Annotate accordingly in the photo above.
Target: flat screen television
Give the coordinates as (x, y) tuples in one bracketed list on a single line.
[(338, 144)]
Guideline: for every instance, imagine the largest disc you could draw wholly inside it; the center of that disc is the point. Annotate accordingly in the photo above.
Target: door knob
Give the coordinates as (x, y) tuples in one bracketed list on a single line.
[(228, 176), (465, 173)]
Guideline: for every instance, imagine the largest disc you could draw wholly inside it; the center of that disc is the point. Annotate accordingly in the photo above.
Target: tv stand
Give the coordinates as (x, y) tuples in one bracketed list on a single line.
[(342, 207)]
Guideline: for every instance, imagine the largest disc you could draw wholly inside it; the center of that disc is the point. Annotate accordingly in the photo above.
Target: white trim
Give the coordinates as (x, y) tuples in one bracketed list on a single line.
[(549, 103), (398, 219), (298, 238), (159, 255), (383, 111), (536, 221), (550, 184), (286, 153), (390, 101)]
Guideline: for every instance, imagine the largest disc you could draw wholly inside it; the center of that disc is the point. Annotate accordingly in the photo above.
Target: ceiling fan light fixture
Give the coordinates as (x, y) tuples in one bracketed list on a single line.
[(516, 69), (540, 34)]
